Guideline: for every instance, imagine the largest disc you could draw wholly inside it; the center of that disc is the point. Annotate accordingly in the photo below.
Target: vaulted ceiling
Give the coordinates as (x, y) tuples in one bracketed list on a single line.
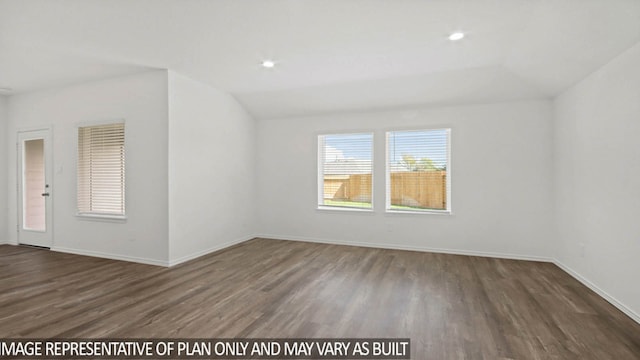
[(331, 55)]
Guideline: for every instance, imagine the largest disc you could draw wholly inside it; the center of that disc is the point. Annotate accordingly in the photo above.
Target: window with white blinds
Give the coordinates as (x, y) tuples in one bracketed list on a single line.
[(345, 170), (418, 177), (101, 178)]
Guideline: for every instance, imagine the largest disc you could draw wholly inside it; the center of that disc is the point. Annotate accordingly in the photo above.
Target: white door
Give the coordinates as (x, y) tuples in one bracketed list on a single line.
[(34, 188)]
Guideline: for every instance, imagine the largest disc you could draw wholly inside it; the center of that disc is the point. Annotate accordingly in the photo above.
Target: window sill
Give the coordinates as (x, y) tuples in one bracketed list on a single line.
[(426, 212), (345, 209), (103, 217)]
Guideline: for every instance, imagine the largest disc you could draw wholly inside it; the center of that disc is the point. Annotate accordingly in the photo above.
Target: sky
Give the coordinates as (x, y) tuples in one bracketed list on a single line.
[(348, 146), (431, 144)]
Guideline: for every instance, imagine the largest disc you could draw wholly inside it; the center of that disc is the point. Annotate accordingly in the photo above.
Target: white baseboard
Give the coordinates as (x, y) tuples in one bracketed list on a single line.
[(612, 300), (111, 256), (151, 261), (409, 248), (209, 250), (4, 242)]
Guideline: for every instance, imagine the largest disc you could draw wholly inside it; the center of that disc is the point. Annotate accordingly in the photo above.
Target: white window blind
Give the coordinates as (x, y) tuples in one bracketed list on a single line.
[(417, 170), (101, 180), (345, 170)]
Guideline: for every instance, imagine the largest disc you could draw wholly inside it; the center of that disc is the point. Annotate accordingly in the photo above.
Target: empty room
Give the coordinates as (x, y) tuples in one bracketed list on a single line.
[(320, 179)]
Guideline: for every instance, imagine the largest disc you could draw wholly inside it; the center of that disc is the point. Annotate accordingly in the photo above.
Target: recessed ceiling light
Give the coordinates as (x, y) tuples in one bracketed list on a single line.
[(268, 64), (456, 36)]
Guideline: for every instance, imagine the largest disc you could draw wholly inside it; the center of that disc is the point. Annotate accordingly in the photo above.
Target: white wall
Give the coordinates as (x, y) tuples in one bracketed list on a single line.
[(597, 180), (4, 147), (141, 100), (211, 169), (501, 181)]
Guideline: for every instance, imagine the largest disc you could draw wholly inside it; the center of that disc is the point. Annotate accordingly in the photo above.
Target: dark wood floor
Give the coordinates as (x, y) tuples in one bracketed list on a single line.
[(452, 307)]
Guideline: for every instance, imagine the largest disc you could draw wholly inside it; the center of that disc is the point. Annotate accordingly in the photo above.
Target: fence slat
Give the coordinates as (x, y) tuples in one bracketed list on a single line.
[(427, 189)]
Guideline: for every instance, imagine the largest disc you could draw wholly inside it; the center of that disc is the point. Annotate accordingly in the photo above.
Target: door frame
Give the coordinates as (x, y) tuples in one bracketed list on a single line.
[(49, 171)]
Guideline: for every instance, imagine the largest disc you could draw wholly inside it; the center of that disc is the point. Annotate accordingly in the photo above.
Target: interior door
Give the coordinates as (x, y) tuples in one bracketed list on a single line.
[(34, 188)]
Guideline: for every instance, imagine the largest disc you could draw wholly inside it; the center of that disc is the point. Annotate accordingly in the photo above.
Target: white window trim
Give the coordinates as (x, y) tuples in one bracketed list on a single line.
[(320, 173), (120, 218), (387, 209), (101, 217), (345, 209)]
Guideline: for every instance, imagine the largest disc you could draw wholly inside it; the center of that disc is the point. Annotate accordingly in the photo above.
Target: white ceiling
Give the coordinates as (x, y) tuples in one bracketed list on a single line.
[(332, 55)]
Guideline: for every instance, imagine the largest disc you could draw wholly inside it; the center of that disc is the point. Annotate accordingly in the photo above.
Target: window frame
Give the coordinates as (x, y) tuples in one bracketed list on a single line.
[(387, 208), (320, 173), (97, 216)]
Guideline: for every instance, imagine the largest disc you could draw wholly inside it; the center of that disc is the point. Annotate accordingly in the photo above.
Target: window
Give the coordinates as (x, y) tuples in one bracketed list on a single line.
[(345, 170), (101, 170), (418, 171)]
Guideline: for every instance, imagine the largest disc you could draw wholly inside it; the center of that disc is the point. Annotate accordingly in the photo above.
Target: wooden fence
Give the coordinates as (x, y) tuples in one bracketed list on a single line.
[(425, 189)]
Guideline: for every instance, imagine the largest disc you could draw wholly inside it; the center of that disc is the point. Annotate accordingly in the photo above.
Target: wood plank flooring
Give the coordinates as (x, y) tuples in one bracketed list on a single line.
[(452, 307)]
